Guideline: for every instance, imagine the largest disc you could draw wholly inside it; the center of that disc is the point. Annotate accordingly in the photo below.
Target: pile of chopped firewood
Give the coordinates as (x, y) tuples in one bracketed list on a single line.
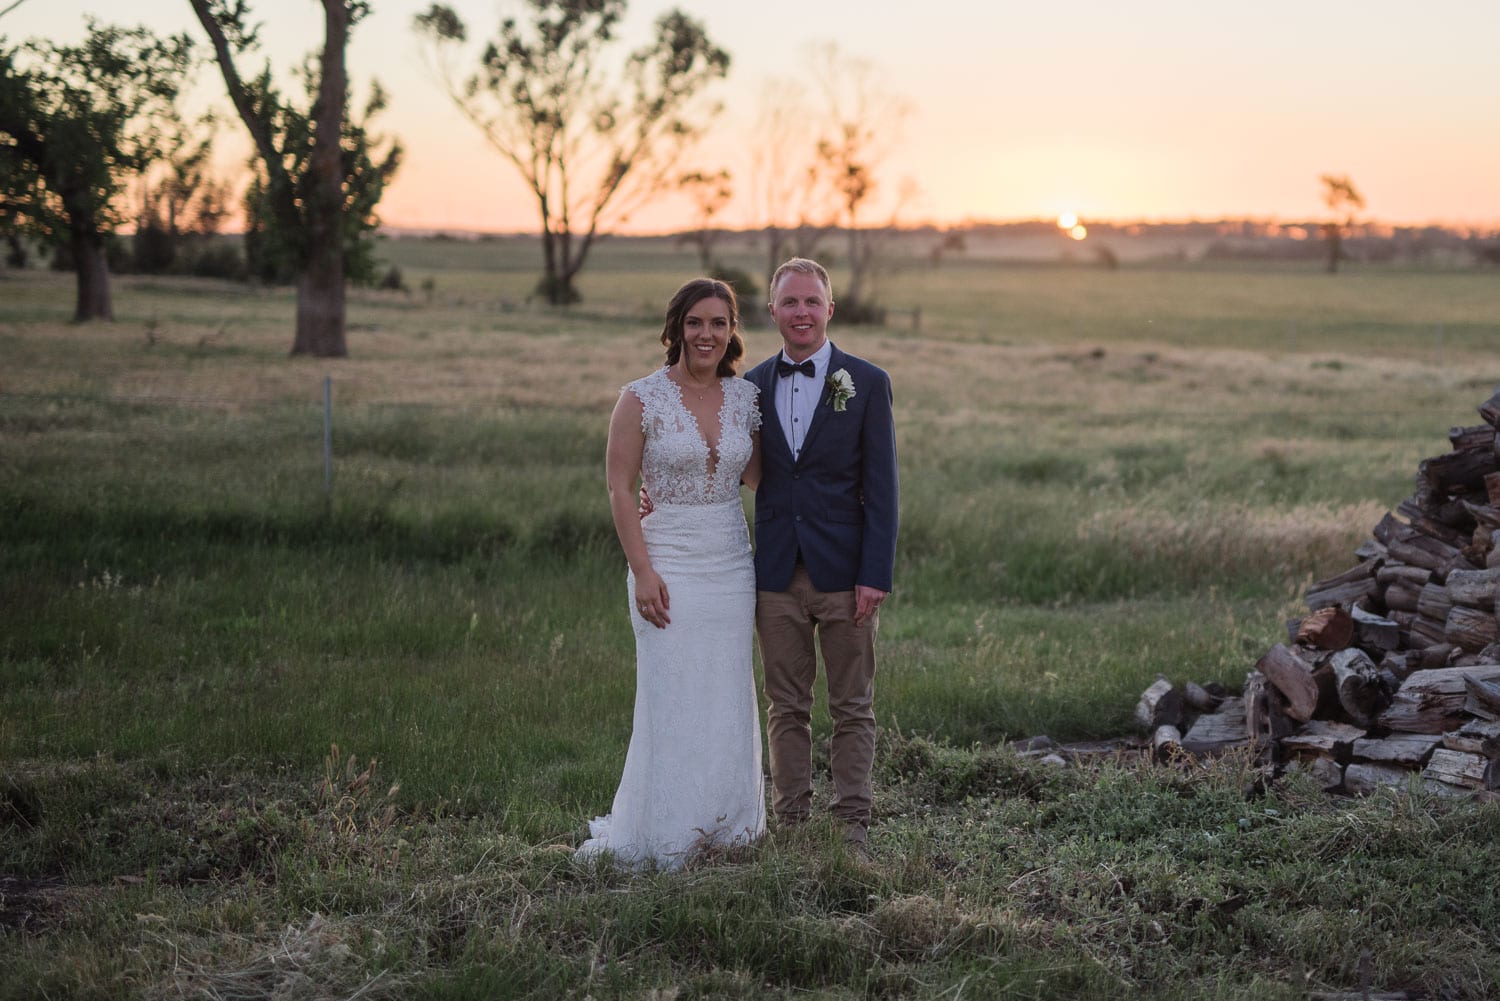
[(1395, 671)]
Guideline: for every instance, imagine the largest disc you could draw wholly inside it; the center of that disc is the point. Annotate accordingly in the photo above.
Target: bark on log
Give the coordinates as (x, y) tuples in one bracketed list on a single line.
[(1475, 737), (1324, 738), (1433, 602), (1471, 436), (1342, 594), (1459, 768), (1410, 750), (1388, 529), (1400, 573), (1370, 549), (1160, 705), (1427, 632), (1374, 632), (1485, 514), (1489, 410), (1432, 701), (1363, 778), (1293, 677), (1475, 588), (1360, 691), (1459, 470), (1266, 720), (1436, 523), (1220, 731), (1402, 597), (1492, 489), (1329, 628), (1470, 629), (1434, 656), (1420, 551), (1199, 698)]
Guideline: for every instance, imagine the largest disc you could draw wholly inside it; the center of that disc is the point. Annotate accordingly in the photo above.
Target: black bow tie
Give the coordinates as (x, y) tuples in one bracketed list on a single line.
[(785, 368)]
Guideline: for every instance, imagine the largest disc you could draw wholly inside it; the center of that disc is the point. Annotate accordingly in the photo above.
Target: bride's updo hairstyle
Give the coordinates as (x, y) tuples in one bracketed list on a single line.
[(686, 298)]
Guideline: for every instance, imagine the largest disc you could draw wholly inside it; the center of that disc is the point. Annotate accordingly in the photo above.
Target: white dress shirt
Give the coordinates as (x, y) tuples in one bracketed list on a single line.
[(797, 397)]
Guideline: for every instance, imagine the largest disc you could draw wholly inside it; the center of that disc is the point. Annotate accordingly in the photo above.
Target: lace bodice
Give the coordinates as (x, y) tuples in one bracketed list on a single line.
[(678, 467)]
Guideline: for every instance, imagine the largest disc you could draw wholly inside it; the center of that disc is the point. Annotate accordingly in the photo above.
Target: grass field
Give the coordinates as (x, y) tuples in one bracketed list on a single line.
[(1107, 475)]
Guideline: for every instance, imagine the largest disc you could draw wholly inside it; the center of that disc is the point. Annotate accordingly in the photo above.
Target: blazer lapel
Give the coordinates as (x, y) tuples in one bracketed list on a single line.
[(823, 409)]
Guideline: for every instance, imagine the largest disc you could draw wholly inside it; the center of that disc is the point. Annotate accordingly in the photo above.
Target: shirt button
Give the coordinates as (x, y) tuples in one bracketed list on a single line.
[(799, 517)]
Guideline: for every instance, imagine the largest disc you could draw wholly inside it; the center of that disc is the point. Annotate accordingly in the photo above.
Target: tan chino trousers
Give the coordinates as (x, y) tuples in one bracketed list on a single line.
[(788, 623)]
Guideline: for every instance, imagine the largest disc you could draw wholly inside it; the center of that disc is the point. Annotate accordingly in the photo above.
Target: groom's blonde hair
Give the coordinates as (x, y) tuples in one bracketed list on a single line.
[(802, 266)]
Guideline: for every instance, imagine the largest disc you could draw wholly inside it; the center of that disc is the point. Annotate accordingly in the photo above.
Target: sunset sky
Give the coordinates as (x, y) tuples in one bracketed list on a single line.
[(1155, 109)]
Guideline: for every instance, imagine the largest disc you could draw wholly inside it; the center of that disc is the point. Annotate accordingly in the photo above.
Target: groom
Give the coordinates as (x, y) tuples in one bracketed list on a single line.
[(825, 542)]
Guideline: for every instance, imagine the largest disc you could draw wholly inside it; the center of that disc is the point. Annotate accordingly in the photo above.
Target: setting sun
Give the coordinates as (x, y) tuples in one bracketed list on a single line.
[(1067, 220)]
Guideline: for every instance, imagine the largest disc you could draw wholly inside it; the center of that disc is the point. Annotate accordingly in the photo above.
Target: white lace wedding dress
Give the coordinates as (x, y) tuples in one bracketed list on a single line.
[(692, 773)]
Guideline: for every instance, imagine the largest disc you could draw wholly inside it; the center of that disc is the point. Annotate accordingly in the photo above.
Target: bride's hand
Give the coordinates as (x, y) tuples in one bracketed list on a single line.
[(651, 598)]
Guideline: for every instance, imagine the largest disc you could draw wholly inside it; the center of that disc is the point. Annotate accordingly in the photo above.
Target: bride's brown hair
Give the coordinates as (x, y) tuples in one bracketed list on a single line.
[(687, 297)]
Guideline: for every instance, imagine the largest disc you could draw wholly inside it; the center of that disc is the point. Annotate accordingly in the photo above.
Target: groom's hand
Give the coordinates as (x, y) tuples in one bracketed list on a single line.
[(867, 601)]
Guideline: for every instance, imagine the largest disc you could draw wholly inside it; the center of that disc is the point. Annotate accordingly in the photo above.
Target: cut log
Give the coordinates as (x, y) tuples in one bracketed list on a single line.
[(1329, 628), (1410, 750), (1394, 573), (1342, 594), (1475, 737), (1435, 656), (1432, 701), (1492, 489), (1214, 733), (1421, 551), (1359, 687), (1388, 529), (1166, 744), (1323, 738), (1160, 705), (1403, 597), (1433, 602), (1363, 778), (1400, 663), (1485, 514), (1475, 588), (1459, 768), (1489, 410), (1427, 632), (1293, 677), (1482, 697), (1201, 699), (1371, 549), (1470, 629), (1328, 773), (1438, 523), (1460, 470), (1374, 632), (1471, 436)]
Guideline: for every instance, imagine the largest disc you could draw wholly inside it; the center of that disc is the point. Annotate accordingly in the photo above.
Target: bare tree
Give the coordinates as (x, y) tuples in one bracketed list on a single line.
[(310, 203), (864, 125), (1343, 201), (592, 147), (789, 191), (709, 194)]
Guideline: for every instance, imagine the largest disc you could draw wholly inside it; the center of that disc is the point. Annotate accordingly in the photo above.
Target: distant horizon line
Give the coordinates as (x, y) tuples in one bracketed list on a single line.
[(1490, 228)]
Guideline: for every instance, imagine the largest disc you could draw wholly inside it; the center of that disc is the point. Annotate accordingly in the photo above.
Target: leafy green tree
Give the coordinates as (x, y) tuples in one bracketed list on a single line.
[(592, 146), (76, 123), (303, 164), (272, 253)]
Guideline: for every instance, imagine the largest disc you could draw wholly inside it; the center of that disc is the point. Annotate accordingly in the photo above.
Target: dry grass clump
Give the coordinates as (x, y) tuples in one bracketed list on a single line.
[(1256, 540)]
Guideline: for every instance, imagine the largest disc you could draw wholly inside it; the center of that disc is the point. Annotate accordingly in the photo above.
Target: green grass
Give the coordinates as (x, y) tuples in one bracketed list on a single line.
[(1106, 476)]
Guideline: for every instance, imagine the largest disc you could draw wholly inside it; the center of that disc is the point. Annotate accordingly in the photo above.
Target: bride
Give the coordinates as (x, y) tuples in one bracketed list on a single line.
[(690, 431)]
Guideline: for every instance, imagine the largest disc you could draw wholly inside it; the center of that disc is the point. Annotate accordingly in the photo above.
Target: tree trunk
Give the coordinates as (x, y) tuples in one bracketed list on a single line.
[(92, 270), (320, 307), (320, 286)]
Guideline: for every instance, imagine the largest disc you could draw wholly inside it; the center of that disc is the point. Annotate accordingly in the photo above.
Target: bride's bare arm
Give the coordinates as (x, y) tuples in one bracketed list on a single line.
[(622, 474), (751, 476)]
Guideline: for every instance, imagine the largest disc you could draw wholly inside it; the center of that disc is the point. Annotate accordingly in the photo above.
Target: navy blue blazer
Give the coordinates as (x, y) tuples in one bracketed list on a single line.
[(836, 504)]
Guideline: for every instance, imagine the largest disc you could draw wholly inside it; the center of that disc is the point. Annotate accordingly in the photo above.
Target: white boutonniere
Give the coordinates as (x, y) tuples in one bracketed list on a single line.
[(840, 389)]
